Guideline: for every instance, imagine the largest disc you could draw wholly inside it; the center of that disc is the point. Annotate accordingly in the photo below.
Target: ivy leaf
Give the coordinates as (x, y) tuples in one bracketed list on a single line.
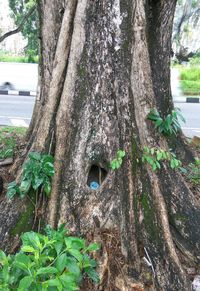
[(121, 154), (25, 186), (47, 187), (48, 169), (34, 156), (36, 182)]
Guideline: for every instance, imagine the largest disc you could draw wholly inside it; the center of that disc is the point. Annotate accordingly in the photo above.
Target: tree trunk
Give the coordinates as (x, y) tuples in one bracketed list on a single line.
[(104, 65)]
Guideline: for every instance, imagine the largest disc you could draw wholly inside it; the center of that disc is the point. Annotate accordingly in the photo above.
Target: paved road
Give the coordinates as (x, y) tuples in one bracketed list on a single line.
[(16, 110), (191, 112)]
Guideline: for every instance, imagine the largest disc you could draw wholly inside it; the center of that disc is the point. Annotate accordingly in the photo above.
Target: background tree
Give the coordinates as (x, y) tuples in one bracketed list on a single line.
[(25, 16), (186, 24), (104, 65)]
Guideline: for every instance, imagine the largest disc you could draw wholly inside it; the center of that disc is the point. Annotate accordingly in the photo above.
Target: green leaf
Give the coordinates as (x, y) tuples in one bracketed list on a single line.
[(76, 254), (114, 164), (61, 263), (47, 159), (28, 249), (172, 165), (2, 257), (159, 156), (152, 151), (158, 122), (58, 247), (11, 193), (25, 186), (48, 169), (25, 283), (154, 166), (73, 267), (46, 270), (68, 281), (47, 187), (121, 154), (22, 261), (34, 156), (37, 182), (54, 283), (32, 239), (92, 274), (93, 247)]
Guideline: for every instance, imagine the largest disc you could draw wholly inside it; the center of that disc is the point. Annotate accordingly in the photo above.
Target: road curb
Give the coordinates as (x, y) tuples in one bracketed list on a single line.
[(187, 100), (20, 93)]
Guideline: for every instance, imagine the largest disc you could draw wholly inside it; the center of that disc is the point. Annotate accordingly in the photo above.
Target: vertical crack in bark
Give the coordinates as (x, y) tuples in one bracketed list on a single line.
[(59, 66), (63, 119), (143, 94), (160, 16)]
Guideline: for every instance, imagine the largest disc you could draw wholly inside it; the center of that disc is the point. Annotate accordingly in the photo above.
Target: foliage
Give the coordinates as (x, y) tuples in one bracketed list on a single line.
[(6, 57), (7, 146), (116, 163), (153, 156), (37, 173), (16, 130), (168, 126), (55, 261), (194, 172), (195, 60), (190, 78), (19, 9), (190, 74), (190, 87)]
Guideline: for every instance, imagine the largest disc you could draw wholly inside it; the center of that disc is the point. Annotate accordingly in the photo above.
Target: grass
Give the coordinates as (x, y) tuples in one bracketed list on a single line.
[(8, 136), (6, 57), (190, 87), (190, 80), (21, 131)]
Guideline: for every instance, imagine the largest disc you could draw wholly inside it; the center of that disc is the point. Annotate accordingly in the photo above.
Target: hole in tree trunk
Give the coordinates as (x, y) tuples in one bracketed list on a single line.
[(96, 176)]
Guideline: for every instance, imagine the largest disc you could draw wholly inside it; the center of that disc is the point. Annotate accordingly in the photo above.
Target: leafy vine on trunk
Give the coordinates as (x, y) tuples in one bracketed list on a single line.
[(104, 66)]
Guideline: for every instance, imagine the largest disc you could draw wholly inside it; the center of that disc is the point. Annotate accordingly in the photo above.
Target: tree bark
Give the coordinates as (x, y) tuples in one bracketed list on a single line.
[(102, 70)]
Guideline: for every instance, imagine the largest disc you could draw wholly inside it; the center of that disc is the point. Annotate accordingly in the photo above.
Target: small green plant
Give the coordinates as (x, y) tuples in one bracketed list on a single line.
[(55, 261), (153, 156), (7, 146), (116, 163), (168, 126), (194, 172), (37, 172)]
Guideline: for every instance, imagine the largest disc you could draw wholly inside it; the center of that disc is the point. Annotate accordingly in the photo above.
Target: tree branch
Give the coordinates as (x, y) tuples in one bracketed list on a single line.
[(19, 28)]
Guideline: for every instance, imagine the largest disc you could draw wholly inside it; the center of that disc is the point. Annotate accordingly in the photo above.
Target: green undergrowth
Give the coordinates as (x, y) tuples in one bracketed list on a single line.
[(13, 129), (8, 136), (6, 57), (190, 87), (37, 173), (51, 261), (190, 80)]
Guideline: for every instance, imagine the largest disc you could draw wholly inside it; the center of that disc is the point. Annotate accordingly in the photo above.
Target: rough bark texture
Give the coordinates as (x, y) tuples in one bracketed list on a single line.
[(104, 65)]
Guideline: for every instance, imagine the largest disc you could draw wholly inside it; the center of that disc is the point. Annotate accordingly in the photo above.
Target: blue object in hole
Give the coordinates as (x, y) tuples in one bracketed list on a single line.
[(94, 185)]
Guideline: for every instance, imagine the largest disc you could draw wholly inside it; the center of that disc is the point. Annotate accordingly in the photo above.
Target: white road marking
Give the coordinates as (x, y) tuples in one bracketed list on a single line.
[(15, 117), (18, 122), (13, 92), (192, 128)]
